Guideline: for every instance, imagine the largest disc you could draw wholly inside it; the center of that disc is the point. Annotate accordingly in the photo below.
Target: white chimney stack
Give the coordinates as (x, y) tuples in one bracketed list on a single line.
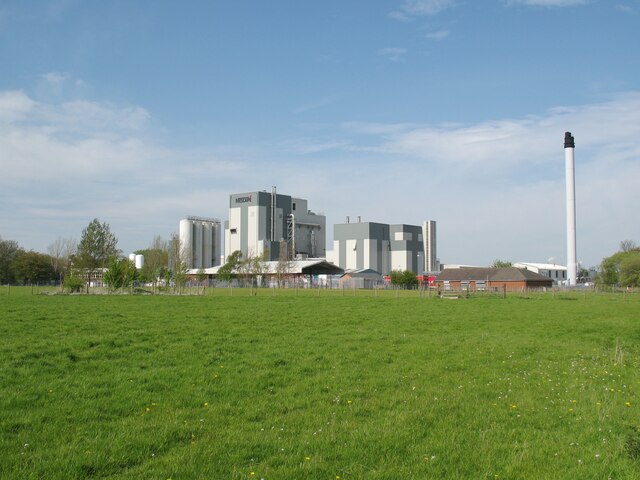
[(572, 262)]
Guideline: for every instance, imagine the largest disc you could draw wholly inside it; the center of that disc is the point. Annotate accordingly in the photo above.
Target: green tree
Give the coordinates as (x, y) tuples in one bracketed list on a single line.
[(120, 273), (609, 271), (33, 267), (630, 271), (501, 264), (201, 275), (9, 250), (156, 261), (97, 246), (228, 271), (403, 279), (621, 267), (73, 283)]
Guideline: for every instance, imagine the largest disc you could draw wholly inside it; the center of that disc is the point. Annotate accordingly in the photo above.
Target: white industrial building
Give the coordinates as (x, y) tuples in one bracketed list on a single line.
[(558, 273), (200, 242), (383, 248), (261, 223)]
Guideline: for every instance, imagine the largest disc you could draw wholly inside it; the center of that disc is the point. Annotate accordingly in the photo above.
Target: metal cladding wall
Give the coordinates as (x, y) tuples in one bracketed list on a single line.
[(378, 246), (257, 225), (362, 245), (406, 247)]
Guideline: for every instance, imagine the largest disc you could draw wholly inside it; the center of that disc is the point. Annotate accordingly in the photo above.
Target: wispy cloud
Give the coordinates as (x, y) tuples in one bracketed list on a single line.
[(55, 77), (418, 8), (314, 105), (548, 3), (393, 53), (627, 9), (438, 35)]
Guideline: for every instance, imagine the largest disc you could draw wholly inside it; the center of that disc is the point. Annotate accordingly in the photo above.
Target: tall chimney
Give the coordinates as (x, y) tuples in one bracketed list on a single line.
[(572, 263)]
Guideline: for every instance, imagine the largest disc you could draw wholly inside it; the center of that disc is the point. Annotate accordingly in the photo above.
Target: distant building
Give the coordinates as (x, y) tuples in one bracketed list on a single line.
[(382, 247), (557, 273), (511, 279), (262, 222), (200, 242), (363, 278), (431, 262)]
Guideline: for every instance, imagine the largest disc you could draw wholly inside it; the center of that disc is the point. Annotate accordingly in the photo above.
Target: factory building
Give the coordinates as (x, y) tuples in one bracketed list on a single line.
[(200, 242), (262, 223), (431, 262), (382, 247)]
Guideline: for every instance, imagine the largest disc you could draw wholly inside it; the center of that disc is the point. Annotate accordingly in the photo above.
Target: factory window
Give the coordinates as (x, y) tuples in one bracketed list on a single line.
[(294, 206), (234, 230)]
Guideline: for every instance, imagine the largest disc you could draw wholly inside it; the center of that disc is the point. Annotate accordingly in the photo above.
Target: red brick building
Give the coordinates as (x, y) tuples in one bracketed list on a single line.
[(476, 278)]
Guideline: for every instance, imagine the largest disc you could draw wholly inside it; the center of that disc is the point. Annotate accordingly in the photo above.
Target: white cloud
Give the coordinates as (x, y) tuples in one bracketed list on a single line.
[(14, 106), (627, 9), (427, 7), (55, 77), (392, 53), (418, 8), (548, 3), (439, 35)]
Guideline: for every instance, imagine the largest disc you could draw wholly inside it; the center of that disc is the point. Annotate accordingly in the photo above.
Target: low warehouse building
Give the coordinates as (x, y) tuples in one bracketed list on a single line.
[(477, 278)]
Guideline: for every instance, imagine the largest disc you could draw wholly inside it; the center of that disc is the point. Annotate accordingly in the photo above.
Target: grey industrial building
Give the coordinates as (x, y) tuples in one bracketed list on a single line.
[(383, 248), (261, 223)]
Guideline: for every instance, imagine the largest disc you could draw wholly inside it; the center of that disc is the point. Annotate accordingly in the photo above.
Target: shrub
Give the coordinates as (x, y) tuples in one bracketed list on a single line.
[(73, 283)]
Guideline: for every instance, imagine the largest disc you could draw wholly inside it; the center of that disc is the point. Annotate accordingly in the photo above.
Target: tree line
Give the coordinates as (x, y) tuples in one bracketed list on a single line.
[(622, 268), (74, 263)]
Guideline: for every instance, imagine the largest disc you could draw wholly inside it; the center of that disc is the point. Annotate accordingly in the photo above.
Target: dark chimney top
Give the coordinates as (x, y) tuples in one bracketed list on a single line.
[(568, 140)]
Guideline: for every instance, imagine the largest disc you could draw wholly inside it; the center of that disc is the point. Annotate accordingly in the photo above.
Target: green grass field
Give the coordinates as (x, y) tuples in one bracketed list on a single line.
[(306, 386)]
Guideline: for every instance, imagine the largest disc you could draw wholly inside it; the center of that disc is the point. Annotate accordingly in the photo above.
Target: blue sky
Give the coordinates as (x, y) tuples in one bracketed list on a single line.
[(140, 113)]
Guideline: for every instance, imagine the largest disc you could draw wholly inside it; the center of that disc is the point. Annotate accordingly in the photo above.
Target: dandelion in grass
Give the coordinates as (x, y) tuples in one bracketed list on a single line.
[(627, 404)]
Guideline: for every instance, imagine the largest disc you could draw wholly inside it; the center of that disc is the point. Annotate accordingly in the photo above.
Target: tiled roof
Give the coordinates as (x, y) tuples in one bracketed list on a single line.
[(510, 274)]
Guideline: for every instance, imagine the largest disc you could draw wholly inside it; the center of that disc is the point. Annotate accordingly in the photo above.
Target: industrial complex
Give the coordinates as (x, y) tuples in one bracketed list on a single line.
[(281, 228)]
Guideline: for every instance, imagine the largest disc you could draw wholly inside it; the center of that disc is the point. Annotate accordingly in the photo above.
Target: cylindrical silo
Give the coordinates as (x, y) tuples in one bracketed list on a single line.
[(196, 247), (206, 245), (186, 241), (139, 260)]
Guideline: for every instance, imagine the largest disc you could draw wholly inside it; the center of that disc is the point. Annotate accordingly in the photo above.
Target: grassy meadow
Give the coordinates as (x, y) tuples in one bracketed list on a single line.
[(319, 385)]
